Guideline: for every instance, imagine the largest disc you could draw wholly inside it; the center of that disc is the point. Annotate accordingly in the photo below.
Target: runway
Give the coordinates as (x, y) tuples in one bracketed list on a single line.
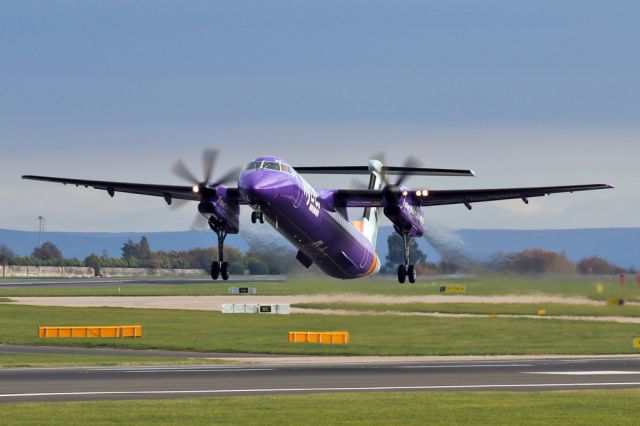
[(17, 283), (100, 383)]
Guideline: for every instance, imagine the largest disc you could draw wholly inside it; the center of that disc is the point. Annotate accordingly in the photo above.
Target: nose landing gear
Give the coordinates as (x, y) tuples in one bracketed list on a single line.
[(406, 271), (257, 216)]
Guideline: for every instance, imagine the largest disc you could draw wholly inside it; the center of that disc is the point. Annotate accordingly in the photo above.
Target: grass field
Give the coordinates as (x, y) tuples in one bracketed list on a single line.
[(552, 309), (311, 284), (44, 360), (371, 335), (607, 407)]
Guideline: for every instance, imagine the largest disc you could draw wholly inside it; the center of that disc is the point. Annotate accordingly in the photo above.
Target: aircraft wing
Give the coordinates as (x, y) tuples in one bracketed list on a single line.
[(372, 198), (168, 192)]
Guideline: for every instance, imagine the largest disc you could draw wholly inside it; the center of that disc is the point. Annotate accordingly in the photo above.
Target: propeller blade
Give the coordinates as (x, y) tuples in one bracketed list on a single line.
[(410, 162), (180, 170), (358, 184), (230, 176), (209, 157), (178, 203), (199, 223)]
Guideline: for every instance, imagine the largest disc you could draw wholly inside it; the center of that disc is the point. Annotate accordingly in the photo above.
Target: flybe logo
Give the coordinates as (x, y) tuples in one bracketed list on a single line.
[(312, 198), (414, 211)]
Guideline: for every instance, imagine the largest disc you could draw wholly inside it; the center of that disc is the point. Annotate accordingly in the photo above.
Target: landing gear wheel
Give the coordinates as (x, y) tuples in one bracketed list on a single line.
[(215, 270), (225, 271), (411, 273), (257, 216), (402, 274)]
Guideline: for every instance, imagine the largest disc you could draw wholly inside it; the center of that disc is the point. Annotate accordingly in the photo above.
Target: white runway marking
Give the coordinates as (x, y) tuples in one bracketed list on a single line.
[(465, 366), (200, 370), (328, 389), (585, 373)]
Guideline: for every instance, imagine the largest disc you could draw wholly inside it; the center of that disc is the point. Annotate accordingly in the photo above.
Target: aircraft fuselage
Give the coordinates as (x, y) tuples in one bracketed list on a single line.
[(296, 211)]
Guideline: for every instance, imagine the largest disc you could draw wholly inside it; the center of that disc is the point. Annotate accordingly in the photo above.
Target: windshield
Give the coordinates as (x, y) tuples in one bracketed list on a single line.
[(269, 165)]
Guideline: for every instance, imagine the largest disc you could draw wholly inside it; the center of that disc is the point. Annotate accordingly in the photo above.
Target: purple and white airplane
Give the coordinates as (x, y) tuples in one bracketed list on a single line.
[(316, 222)]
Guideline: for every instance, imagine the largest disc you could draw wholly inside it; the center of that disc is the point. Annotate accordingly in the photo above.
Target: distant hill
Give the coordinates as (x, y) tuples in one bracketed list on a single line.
[(618, 245)]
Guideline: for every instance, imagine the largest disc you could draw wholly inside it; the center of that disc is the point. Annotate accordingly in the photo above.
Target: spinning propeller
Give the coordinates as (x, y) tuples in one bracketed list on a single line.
[(206, 187), (392, 190), (209, 157)]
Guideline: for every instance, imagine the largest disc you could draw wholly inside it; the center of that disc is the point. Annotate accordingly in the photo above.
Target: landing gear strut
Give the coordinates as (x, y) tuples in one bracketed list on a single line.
[(257, 216), (219, 268), (406, 271)]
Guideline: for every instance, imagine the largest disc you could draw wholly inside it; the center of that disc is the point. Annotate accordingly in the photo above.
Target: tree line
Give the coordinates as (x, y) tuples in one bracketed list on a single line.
[(525, 262), (264, 261), (140, 255)]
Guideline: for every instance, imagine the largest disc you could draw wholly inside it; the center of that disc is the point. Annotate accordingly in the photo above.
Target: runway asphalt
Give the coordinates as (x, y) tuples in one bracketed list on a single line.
[(9, 283), (101, 383)]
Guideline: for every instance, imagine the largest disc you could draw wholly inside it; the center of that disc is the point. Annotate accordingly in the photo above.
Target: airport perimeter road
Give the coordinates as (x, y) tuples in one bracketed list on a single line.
[(56, 384), (110, 282)]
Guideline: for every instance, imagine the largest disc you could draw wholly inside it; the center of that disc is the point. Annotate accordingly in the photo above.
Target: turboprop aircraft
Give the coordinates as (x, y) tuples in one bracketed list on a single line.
[(316, 222)]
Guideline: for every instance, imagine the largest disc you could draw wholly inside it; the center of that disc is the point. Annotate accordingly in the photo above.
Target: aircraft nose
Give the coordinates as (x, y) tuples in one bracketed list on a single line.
[(255, 184), (262, 185)]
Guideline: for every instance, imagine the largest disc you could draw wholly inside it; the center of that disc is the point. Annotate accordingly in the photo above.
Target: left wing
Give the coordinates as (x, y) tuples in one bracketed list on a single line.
[(372, 198), (168, 192)]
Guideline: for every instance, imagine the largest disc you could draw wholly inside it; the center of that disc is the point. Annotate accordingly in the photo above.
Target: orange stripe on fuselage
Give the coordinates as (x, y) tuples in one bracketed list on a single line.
[(373, 265)]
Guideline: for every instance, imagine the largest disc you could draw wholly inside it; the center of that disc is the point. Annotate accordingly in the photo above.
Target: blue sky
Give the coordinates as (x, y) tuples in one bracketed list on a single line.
[(525, 93)]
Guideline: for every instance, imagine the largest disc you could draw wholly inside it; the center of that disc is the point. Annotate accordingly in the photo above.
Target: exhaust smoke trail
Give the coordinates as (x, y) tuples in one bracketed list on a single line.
[(450, 246)]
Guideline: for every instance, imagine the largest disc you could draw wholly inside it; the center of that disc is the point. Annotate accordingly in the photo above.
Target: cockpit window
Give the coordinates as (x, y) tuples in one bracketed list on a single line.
[(285, 168), (271, 166)]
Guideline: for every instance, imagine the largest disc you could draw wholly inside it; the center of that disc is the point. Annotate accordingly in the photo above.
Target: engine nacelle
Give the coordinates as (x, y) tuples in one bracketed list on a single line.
[(406, 218), (221, 212)]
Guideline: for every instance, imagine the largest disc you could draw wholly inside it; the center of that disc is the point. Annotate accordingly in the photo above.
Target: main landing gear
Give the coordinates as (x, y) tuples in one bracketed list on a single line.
[(220, 268), (406, 271), (257, 216)]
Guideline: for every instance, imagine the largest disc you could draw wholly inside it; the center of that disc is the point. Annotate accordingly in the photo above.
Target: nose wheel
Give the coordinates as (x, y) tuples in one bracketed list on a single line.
[(257, 216), (406, 271)]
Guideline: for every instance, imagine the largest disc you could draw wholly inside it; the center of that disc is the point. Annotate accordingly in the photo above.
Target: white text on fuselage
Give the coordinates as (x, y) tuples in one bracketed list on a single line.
[(312, 198)]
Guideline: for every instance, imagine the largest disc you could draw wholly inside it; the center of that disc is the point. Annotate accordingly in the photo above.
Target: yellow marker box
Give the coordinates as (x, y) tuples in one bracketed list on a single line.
[(452, 289), (636, 343), (321, 337), (84, 332)]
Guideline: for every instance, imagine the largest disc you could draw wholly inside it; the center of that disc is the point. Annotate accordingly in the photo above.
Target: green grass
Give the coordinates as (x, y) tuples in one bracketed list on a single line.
[(311, 284), (552, 309), (605, 407), (371, 335), (47, 360), (5, 300)]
